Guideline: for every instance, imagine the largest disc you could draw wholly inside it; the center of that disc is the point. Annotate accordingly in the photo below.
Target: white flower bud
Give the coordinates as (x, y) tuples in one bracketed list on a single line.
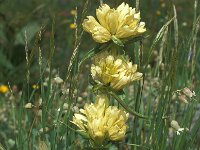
[(58, 80), (29, 106), (176, 127)]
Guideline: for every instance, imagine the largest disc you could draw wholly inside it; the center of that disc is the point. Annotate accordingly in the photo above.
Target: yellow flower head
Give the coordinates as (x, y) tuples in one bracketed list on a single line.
[(114, 70), (122, 22), (101, 122), (3, 88)]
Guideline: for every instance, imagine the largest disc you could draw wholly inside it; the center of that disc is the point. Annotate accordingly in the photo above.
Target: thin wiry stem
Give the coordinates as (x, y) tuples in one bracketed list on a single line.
[(137, 5), (101, 2)]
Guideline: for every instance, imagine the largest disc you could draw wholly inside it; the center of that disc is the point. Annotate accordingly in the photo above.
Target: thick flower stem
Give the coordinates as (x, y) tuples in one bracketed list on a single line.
[(127, 108), (123, 104)]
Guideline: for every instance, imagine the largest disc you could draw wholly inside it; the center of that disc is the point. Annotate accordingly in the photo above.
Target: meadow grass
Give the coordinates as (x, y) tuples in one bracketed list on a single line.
[(39, 117)]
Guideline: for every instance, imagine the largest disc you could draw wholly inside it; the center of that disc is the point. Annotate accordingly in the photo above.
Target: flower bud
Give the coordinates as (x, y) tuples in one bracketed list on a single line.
[(176, 127), (29, 106), (58, 80)]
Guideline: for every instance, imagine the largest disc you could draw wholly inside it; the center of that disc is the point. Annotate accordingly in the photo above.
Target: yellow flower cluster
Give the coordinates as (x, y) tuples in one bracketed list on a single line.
[(122, 22), (101, 122), (114, 70)]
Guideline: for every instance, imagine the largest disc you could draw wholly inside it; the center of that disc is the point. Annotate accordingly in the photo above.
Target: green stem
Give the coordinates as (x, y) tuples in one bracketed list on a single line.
[(123, 104)]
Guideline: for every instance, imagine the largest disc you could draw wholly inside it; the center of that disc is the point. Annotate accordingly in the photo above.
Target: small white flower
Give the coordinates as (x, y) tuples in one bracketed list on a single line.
[(179, 130), (58, 80), (42, 130), (176, 127), (29, 106)]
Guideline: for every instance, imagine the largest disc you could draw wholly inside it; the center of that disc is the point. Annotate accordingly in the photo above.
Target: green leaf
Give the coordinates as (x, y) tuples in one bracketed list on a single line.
[(31, 29), (113, 147), (83, 133), (91, 53), (157, 39), (88, 55), (135, 39), (117, 41)]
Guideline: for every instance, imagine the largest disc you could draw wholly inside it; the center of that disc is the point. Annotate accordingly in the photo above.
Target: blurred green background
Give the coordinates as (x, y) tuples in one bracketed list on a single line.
[(34, 15)]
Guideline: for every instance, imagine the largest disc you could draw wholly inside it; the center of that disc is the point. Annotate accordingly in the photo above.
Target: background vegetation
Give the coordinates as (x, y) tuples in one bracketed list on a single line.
[(37, 41)]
